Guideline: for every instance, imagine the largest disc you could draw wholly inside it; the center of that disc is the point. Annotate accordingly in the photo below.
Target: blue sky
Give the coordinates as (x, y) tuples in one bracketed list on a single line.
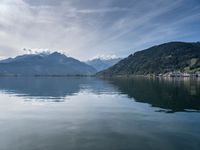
[(89, 28)]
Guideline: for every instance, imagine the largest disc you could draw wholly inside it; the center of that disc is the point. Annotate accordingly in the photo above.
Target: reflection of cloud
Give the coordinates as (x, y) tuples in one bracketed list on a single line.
[(85, 29)]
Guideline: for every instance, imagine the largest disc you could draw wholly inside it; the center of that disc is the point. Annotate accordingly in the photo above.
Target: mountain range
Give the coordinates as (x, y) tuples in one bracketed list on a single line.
[(161, 59), (43, 65), (101, 64)]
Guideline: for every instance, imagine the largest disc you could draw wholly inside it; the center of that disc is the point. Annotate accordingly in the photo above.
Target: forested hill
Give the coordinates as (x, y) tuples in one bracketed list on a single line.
[(164, 58)]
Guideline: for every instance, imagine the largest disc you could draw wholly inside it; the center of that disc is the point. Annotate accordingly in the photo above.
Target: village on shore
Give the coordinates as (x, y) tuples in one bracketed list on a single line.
[(178, 74)]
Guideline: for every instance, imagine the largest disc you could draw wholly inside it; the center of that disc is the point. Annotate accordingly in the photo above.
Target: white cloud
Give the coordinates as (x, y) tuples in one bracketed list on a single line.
[(84, 30)]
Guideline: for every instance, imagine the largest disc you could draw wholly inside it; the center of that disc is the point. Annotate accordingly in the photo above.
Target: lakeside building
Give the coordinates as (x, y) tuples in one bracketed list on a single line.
[(178, 74)]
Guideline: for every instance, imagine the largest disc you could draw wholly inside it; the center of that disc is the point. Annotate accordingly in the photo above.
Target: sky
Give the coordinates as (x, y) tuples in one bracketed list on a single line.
[(85, 29)]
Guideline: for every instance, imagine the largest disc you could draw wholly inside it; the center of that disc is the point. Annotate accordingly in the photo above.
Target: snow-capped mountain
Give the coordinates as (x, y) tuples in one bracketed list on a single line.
[(48, 64), (101, 63)]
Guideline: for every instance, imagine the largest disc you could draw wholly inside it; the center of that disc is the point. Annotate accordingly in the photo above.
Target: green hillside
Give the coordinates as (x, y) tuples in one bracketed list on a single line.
[(164, 58)]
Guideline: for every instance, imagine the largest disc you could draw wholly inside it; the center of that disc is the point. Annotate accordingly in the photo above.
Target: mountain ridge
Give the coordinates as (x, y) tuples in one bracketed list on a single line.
[(44, 65), (101, 64), (159, 59)]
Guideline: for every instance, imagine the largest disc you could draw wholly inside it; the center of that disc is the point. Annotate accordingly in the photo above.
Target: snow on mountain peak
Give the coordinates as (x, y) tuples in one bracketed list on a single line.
[(105, 57)]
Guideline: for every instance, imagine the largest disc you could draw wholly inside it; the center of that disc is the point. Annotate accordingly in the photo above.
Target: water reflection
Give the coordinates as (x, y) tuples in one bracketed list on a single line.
[(169, 95), (52, 88), (172, 95), (98, 114)]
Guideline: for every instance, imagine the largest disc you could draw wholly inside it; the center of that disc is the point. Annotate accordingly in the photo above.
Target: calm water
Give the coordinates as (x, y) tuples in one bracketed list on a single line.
[(96, 114)]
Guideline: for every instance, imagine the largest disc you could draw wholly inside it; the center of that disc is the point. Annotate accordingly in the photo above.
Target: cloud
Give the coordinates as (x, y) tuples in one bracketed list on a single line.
[(104, 10), (85, 29)]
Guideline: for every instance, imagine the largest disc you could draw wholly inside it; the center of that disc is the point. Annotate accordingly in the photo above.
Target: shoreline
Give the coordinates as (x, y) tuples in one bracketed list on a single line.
[(113, 76)]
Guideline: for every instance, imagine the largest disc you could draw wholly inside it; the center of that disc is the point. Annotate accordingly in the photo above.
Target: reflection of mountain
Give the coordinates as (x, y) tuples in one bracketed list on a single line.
[(52, 87), (173, 95)]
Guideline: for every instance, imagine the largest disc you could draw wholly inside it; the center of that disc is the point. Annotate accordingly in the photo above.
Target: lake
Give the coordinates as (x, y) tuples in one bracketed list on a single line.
[(72, 113)]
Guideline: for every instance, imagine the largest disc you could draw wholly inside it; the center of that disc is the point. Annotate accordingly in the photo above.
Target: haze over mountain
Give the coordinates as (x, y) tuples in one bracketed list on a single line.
[(101, 64), (44, 64), (164, 58)]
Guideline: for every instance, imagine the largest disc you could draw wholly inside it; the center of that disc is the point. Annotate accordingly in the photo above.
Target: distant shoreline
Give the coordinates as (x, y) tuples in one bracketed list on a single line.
[(146, 76), (112, 76), (46, 75)]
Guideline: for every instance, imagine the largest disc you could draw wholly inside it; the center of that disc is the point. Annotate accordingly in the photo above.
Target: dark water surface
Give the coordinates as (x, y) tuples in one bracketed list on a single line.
[(95, 114)]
